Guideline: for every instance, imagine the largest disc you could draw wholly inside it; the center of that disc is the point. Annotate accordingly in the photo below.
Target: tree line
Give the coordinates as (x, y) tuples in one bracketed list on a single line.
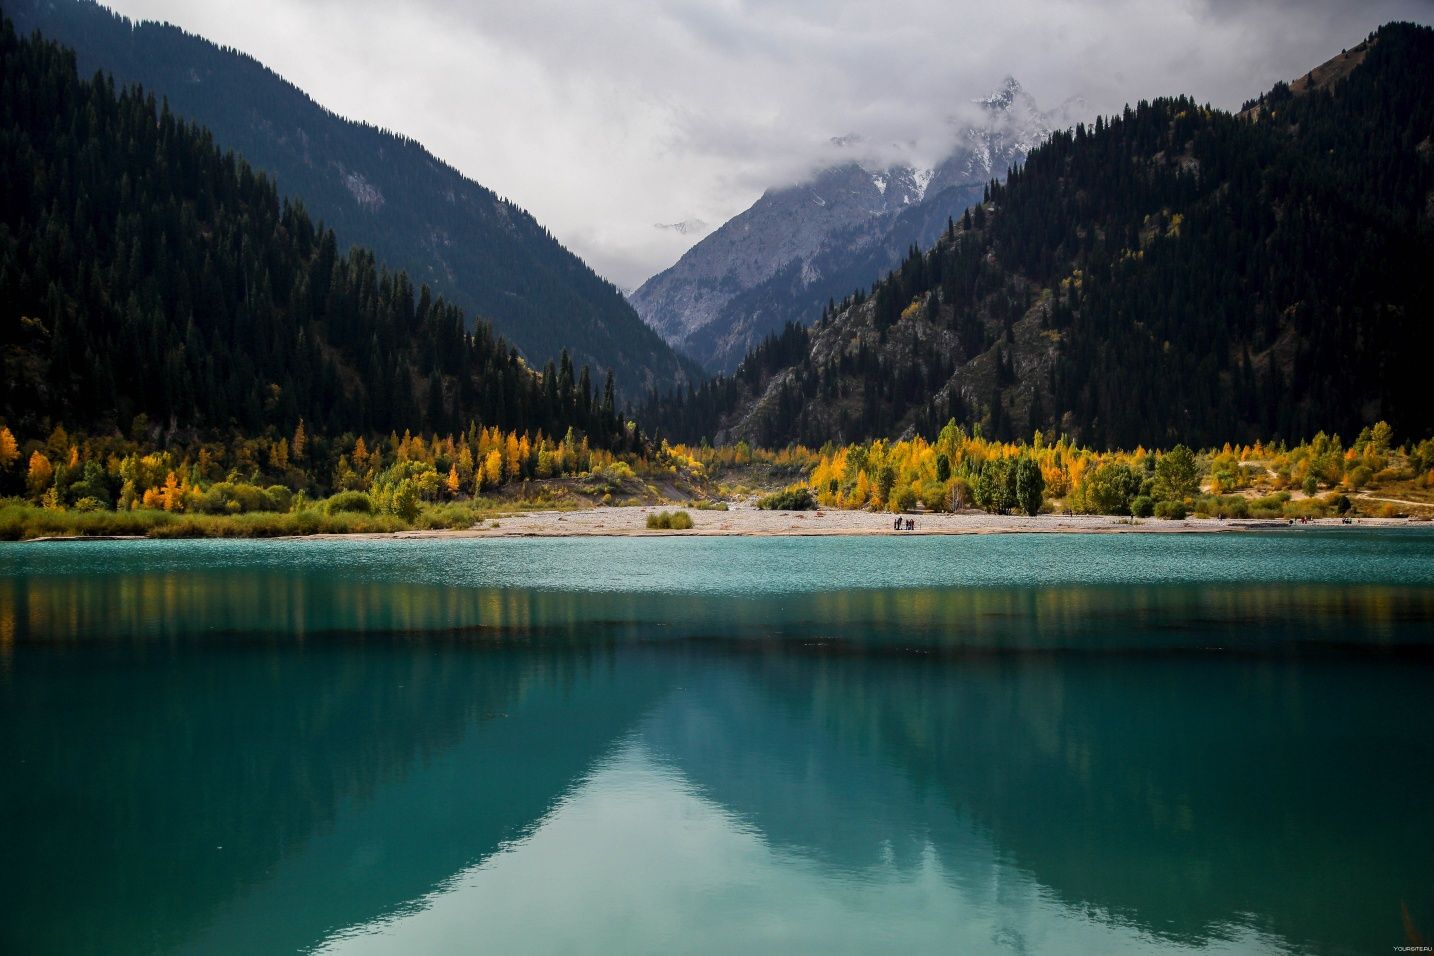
[(963, 469)]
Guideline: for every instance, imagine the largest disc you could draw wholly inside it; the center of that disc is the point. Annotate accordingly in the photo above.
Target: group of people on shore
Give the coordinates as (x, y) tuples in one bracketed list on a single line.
[(903, 524)]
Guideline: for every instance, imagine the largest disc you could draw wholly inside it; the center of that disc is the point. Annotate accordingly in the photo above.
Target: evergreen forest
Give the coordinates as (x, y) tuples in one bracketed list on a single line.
[(146, 274)]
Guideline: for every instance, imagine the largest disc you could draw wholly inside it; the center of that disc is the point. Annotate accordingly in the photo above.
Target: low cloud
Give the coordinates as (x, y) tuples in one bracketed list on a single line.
[(603, 118)]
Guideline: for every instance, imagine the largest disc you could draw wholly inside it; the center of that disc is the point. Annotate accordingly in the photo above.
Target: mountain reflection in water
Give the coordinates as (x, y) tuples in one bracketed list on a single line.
[(260, 760)]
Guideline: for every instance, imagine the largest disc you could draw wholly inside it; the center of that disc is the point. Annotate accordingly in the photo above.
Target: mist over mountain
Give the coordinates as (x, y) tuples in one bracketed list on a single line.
[(1172, 273), (800, 246), (378, 190)]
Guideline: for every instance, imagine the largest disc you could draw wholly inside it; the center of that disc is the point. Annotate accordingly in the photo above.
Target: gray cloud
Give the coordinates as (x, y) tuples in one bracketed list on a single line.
[(604, 117)]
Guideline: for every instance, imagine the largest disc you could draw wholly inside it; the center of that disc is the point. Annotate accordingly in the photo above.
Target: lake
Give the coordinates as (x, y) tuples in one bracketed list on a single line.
[(999, 743)]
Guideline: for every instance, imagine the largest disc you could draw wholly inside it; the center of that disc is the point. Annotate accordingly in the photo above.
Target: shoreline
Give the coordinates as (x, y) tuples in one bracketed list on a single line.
[(744, 520)]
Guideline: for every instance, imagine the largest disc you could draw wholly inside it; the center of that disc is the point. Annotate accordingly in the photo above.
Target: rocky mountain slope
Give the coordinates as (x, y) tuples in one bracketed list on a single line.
[(377, 190), (1173, 273), (798, 247)]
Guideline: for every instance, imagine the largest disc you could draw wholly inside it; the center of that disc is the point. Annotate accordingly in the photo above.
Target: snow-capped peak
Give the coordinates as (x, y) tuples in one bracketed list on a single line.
[(922, 179), (1004, 95)]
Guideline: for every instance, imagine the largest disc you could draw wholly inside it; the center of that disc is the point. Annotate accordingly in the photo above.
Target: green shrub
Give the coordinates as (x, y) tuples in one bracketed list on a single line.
[(1107, 490), (615, 471), (451, 516), (93, 485), (933, 493), (669, 521), (251, 498), (405, 502), (794, 498), (1141, 506), (278, 498), (1268, 506), (270, 525), (236, 497), (1174, 510), (356, 502), (1357, 477), (22, 520)]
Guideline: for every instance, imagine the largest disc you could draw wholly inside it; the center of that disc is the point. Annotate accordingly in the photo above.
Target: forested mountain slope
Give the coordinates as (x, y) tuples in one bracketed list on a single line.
[(1174, 273), (145, 272), (376, 190)]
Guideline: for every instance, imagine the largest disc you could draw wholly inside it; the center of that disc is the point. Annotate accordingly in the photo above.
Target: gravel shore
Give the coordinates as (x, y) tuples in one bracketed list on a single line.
[(743, 519)]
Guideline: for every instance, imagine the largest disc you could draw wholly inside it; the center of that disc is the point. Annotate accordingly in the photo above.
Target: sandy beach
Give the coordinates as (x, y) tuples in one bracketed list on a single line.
[(744, 519)]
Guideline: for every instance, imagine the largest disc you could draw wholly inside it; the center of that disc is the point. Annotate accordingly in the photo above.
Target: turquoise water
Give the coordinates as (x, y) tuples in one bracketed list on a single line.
[(1023, 744)]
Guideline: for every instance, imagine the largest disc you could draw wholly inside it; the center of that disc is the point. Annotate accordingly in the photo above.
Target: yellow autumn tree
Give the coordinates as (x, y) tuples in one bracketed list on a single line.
[(171, 496), (453, 483), (512, 457), (39, 475), (9, 449), (861, 493), (493, 469), (299, 443)]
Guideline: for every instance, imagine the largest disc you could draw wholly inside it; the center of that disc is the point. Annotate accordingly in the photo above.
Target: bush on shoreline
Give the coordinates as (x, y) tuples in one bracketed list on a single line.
[(669, 521), (21, 521), (357, 502), (795, 498)]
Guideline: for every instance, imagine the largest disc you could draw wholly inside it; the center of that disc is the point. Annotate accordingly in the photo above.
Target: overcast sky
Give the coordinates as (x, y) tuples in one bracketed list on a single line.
[(606, 118)]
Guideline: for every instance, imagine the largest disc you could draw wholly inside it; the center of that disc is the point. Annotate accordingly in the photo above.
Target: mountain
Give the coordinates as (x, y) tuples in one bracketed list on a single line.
[(1173, 273), (800, 246), (146, 275), (377, 190)]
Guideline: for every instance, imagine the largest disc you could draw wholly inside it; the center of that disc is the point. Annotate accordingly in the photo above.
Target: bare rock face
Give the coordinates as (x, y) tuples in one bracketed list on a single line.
[(797, 247)]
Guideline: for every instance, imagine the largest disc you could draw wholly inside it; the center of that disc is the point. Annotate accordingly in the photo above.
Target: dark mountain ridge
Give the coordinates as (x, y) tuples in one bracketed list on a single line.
[(146, 275), (1173, 273), (377, 190)]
